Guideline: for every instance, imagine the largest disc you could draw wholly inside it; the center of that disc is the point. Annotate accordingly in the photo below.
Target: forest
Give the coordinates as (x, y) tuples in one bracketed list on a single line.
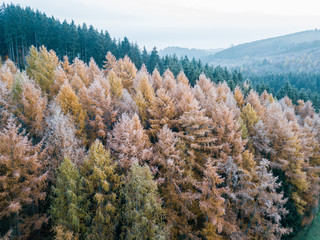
[(24, 27), (121, 153), (107, 142)]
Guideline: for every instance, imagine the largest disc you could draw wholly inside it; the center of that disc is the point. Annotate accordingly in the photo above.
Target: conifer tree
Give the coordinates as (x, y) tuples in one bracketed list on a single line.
[(115, 84), (182, 78), (161, 111), (249, 117), (102, 187), (66, 65), (93, 70), (22, 181), (70, 104), (169, 167), (98, 106), (238, 96), (156, 80), (66, 208), (79, 68), (60, 77), (142, 212), (212, 202), (128, 141), (126, 71), (267, 209), (6, 75), (168, 81), (145, 88), (60, 139), (255, 102), (287, 153), (33, 107), (109, 64), (142, 106), (41, 67)]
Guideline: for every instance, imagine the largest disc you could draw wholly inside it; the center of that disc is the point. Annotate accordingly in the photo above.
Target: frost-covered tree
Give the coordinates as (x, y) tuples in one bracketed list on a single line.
[(22, 181), (60, 139), (169, 167), (128, 141)]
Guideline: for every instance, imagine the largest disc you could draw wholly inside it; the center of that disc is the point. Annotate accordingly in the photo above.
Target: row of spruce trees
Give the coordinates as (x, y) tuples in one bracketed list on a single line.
[(117, 153)]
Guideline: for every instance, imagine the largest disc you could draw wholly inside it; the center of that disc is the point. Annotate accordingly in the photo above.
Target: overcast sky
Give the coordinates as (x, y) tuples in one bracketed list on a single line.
[(187, 23)]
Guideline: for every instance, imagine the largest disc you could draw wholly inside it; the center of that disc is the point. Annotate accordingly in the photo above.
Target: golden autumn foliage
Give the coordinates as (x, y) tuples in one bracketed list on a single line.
[(70, 104), (135, 155), (23, 180), (41, 67)]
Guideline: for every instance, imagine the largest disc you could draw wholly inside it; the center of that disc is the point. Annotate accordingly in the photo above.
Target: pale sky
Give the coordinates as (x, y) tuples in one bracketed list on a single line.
[(186, 23)]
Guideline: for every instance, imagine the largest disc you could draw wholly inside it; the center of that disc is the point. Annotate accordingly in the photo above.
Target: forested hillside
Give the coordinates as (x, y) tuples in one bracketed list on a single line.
[(24, 27), (273, 46), (190, 53), (121, 153), (100, 140)]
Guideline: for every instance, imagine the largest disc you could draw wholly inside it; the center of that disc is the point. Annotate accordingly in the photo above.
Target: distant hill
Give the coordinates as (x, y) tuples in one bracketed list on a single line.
[(292, 52), (190, 53)]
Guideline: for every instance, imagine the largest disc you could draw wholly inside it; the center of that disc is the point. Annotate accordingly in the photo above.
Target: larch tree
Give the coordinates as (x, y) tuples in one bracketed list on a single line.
[(142, 106), (6, 75), (126, 71), (66, 207), (238, 96), (168, 81), (227, 132), (126, 104), (156, 80), (145, 87), (32, 108), (195, 134), (66, 65), (98, 106), (116, 86), (144, 97), (142, 212), (41, 67), (60, 139), (255, 101), (238, 194), (182, 78), (60, 77), (109, 64), (267, 208), (128, 141), (79, 68), (93, 70), (249, 117), (70, 104), (169, 168), (161, 111), (212, 202), (22, 181), (287, 153), (102, 185)]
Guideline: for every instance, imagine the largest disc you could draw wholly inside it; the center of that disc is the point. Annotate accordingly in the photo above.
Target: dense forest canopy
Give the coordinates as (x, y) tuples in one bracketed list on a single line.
[(24, 27), (99, 140), (121, 153)]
